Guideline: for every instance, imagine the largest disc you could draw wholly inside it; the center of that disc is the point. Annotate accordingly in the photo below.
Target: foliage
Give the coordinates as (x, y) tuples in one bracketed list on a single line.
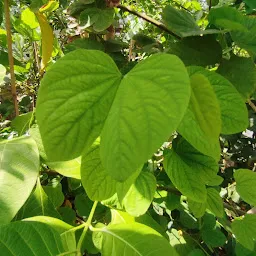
[(136, 133)]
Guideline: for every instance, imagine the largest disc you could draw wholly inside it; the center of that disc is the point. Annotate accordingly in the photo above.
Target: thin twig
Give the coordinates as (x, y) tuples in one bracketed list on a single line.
[(251, 104), (10, 55), (148, 19)]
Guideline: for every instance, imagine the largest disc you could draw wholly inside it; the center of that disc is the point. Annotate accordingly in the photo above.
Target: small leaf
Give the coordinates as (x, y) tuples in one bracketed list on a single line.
[(246, 184), (140, 195), (21, 123), (148, 107), (234, 114), (47, 39), (33, 239), (241, 72), (68, 106), (122, 239), (19, 171), (54, 193), (201, 124), (29, 18), (245, 231), (214, 202), (198, 209)]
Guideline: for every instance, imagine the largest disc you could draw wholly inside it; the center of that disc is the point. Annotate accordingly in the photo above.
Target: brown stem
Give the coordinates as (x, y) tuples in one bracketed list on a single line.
[(148, 19), (230, 207), (10, 55), (251, 104)]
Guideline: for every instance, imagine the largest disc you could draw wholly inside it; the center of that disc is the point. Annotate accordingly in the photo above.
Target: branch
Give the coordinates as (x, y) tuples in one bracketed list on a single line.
[(10, 55), (251, 104), (148, 19)]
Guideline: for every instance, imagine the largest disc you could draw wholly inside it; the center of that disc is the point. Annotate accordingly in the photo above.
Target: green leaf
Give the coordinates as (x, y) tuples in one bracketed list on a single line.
[(56, 224), (2, 73), (84, 43), (198, 209), (29, 18), (182, 23), (21, 123), (1, 11), (213, 237), (54, 193), (234, 114), (140, 195), (181, 242), (246, 184), (69, 115), (214, 202), (179, 21), (241, 72), (245, 231), (200, 51), (96, 181), (189, 170), (100, 19), (19, 171), (38, 204), (133, 239), (69, 168), (228, 18), (201, 124), (68, 215), (149, 105), (29, 238)]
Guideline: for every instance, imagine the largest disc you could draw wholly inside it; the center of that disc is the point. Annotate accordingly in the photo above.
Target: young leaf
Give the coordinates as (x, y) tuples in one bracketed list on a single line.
[(234, 114), (29, 238), (198, 209), (201, 124), (21, 123), (72, 105), (140, 195), (189, 170), (19, 171), (241, 72), (245, 231), (47, 39), (96, 181), (149, 105), (246, 184), (54, 193), (133, 239)]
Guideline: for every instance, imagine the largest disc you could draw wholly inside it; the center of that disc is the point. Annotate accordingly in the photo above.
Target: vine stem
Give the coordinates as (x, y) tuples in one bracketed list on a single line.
[(10, 55), (148, 19), (86, 226)]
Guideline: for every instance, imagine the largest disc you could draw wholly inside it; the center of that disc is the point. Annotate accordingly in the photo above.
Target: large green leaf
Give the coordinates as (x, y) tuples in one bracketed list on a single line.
[(38, 204), (149, 105), (133, 239), (189, 170), (246, 184), (201, 124), (200, 51), (30, 239), (241, 72), (234, 114), (245, 231), (73, 103), (140, 195), (98, 184), (18, 172)]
